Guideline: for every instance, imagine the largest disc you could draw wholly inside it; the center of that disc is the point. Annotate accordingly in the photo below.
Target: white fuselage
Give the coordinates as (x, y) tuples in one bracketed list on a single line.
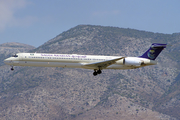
[(75, 61)]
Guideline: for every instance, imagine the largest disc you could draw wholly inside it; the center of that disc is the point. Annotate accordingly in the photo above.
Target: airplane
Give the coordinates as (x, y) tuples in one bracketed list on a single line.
[(95, 62)]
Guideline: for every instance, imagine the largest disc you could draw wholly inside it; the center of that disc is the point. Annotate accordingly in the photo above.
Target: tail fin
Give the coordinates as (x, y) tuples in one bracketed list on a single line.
[(153, 51)]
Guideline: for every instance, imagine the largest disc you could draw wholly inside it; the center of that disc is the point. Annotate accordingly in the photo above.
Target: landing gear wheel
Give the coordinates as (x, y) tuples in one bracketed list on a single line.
[(12, 68), (99, 72), (95, 73)]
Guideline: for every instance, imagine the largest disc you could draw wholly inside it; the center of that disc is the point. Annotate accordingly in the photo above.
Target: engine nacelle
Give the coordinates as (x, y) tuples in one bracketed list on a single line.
[(132, 62)]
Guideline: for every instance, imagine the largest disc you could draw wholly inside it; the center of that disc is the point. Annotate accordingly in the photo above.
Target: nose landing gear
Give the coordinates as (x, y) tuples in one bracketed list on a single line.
[(12, 68)]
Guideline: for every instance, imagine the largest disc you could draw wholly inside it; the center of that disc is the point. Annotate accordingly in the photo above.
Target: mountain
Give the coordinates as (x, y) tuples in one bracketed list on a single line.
[(65, 93)]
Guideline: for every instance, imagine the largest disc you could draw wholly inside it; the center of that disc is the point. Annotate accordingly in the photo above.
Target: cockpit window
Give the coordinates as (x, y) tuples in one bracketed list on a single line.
[(14, 55)]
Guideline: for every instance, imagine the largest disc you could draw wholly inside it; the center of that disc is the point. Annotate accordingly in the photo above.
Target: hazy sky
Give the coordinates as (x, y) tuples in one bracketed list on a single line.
[(34, 22)]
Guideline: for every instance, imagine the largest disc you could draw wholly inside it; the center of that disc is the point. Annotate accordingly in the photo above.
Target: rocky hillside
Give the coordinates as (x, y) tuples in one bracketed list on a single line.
[(63, 93)]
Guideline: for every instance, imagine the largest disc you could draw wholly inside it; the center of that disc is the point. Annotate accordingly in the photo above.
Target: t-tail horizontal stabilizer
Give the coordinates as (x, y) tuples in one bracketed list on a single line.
[(153, 51)]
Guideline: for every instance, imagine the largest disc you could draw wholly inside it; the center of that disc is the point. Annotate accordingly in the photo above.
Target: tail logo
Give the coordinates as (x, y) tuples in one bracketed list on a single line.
[(154, 51), (151, 54)]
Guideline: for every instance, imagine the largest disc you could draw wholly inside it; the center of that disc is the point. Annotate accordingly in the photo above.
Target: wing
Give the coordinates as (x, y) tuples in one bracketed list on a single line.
[(103, 64)]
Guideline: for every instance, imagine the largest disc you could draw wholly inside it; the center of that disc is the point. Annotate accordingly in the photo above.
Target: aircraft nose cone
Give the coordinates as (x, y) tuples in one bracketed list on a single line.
[(7, 61)]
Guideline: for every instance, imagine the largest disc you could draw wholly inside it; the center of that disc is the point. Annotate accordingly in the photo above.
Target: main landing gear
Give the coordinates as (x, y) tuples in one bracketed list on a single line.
[(96, 72)]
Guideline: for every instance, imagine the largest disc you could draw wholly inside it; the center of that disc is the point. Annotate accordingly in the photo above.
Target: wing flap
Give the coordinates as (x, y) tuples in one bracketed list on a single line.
[(103, 64)]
